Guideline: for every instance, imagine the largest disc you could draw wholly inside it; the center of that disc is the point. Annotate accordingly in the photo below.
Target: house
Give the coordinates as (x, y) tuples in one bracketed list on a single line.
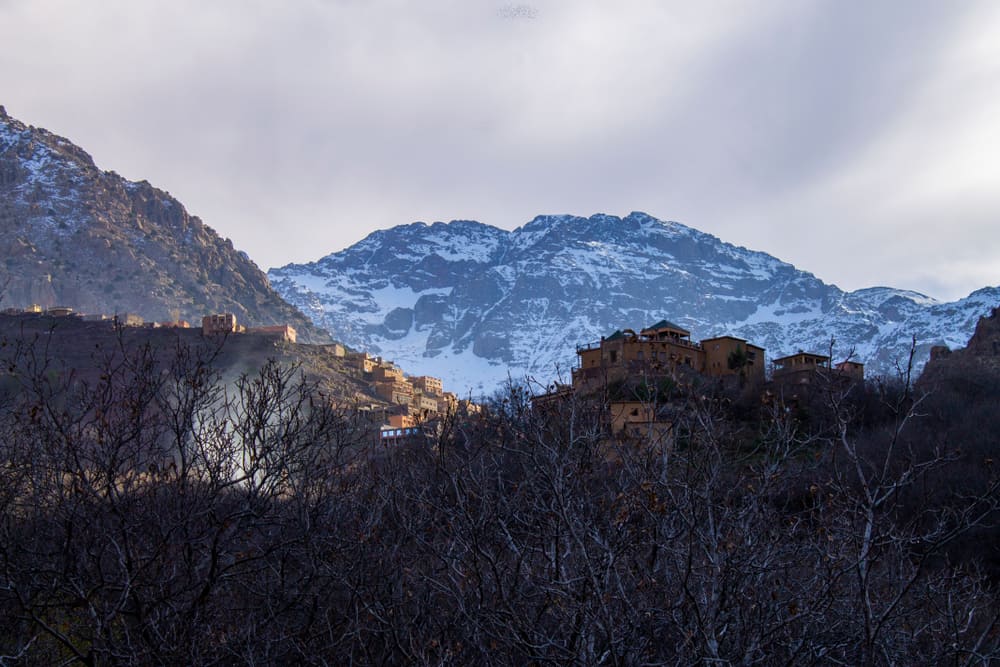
[(795, 374), (427, 384), (422, 434), (361, 361), (221, 323), (131, 320), (731, 356), (402, 421), (798, 368), (641, 420), (394, 391), (447, 403), (279, 332), (851, 369), (386, 371), (424, 403)]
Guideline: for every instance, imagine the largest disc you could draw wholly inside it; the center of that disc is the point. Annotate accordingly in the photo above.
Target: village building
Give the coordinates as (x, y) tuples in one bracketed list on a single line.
[(728, 356), (130, 320), (447, 403), (427, 384), (386, 371), (640, 419), (421, 434), (225, 323), (361, 361), (394, 391), (424, 403), (220, 323), (402, 421), (851, 369), (278, 332), (795, 374), (335, 349)]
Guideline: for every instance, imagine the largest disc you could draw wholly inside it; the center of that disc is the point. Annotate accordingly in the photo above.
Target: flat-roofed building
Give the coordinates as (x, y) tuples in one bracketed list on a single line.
[(447, 403), (424, 403), (428, 384), (731, 356), (387, 371), (852, 369), (219, 323), (133, 320), (394, 392), (278, 332), (361, 361), (640, 420)]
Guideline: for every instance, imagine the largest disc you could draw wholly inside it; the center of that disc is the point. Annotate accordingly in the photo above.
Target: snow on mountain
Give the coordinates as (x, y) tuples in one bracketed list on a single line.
[(475, 304), (73, 235)]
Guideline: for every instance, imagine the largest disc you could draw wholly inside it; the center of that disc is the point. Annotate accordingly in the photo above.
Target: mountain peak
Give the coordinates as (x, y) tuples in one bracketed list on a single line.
[(559, 280)]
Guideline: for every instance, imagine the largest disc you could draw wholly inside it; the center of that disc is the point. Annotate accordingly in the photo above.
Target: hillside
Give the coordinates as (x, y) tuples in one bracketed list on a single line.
[(69, 346), (74, 235), (472, 303)]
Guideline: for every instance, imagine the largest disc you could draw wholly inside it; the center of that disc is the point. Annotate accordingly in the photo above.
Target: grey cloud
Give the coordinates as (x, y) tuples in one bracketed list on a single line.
[(297, 128)]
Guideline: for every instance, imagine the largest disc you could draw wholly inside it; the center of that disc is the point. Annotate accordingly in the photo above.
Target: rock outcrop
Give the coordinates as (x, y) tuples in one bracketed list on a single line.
[(74, 235)]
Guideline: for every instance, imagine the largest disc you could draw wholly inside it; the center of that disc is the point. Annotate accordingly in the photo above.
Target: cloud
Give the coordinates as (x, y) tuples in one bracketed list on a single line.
[(297, 128)]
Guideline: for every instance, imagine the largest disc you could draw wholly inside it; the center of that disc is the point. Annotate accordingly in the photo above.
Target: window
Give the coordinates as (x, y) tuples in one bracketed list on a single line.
[(614, 356)]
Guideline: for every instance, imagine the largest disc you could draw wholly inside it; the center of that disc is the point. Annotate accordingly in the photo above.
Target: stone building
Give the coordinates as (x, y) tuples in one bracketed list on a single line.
[(219, 323), (427, 384), (279, 332), (795, 375)]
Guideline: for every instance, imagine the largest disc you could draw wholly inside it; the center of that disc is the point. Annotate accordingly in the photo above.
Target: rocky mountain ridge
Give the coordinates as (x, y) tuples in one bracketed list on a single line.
[(74, 235), (475, 304)]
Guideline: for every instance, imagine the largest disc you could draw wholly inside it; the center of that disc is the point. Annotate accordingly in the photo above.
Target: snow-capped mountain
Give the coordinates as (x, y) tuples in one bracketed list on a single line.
[(473, 303)]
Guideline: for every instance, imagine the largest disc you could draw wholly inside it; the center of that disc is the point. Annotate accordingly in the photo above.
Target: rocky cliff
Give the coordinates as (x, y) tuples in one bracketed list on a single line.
[(74, 235)]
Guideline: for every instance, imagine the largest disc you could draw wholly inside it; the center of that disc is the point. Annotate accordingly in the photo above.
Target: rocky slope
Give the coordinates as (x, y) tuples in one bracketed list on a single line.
[(473, 303), (74, 235)]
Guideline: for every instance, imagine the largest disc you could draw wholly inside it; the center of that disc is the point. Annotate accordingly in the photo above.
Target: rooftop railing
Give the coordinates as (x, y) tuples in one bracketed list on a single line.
[(680, 342)]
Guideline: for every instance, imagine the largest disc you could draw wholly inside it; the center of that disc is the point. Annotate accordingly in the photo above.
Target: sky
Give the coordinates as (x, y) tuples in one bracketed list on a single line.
[(859, 141)]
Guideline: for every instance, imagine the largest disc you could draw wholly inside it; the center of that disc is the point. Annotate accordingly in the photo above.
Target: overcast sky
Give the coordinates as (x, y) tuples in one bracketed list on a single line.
[(858, 140)]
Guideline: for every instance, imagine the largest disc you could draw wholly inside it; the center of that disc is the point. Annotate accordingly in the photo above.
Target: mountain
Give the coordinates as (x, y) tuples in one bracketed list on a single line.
[(472, 303), (77, 236)]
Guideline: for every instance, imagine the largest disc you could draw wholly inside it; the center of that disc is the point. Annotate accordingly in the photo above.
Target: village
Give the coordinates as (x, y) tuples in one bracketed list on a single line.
[(619, 368), (629, 374), (409, 408)]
